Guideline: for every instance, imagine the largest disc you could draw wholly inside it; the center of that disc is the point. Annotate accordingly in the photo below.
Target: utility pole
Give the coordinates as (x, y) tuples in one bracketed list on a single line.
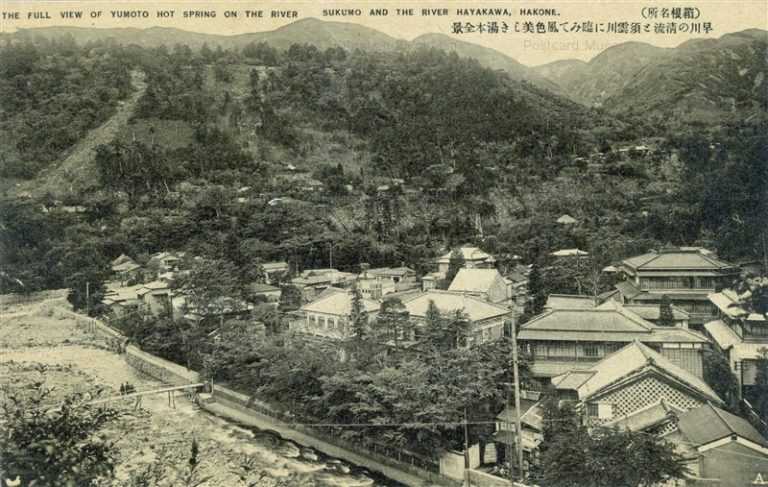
[(466, 450), (87, 298), (518, 424)]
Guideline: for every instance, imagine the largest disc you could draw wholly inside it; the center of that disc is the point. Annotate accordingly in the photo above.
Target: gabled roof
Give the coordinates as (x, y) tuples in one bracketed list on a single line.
[(569, 253), (726, 338), (569, 301), (708, 423), (588, 320), (126, 266), (474, 280), (274, 266), (688, 258), (730, 303), (633, 360), (469, 253), (447, 302), (330, 290), (122, 294), (392, 271), (602, 325), (121, 259), (531, 413), (339, 304), (258, 287), (152, 286)]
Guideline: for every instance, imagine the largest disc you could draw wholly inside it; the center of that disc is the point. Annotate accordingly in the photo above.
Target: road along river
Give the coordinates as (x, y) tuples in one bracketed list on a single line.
[(36, 335)]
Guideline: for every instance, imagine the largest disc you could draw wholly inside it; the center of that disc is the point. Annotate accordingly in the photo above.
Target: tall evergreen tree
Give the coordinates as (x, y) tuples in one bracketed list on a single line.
[(358, 316), (455, 264), (536, 292)]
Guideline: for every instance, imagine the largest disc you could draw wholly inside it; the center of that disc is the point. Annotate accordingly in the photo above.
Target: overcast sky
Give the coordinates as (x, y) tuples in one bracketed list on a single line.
[(530, 49)]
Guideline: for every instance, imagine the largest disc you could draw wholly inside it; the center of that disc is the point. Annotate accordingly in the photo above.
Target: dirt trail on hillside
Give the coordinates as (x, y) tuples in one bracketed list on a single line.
[(77, 170)]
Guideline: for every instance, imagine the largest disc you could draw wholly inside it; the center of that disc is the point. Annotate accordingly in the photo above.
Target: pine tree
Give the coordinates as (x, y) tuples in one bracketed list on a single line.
[(666, 316), (537, 296), (455, 264), (358, 316)]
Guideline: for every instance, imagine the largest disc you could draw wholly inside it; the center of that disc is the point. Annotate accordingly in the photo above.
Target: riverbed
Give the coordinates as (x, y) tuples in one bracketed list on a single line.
[(159, 430)]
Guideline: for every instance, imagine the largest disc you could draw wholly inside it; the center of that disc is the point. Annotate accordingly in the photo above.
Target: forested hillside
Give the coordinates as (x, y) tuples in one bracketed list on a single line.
[(261, 153), (52, 94)]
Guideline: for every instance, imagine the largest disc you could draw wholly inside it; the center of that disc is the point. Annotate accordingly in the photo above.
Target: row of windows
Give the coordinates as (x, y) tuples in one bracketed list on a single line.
[(324, 322), (679, 282), (567, 350)]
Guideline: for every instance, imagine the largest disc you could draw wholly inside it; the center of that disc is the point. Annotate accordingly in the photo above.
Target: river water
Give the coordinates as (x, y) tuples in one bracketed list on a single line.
[(29, 335)]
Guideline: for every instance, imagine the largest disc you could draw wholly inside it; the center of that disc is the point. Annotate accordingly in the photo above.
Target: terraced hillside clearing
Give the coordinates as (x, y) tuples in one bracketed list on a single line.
[(77, 171)]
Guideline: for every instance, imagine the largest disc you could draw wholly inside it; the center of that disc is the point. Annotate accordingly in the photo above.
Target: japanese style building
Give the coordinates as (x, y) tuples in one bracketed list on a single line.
[(738, 334), (629, 381), (686, 274), (720, 448), (560, 340)]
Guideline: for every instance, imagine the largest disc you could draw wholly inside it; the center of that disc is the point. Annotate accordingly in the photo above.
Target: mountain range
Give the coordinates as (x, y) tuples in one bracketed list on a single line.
[(703, 80)]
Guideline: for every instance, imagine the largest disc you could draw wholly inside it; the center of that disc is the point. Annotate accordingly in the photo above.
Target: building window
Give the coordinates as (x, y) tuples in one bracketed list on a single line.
[(591, 350), (592, 410)]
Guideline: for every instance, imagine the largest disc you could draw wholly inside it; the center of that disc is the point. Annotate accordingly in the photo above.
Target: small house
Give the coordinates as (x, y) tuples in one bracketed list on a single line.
[(486, 284), (720, 448), (329, 316)]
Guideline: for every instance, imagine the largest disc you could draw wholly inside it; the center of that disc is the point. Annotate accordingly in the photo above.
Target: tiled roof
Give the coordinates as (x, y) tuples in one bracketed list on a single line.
[(569, 301), (392, 271), (588, 320), (730, 303), (330, 290), (572, 380), (645, 418), (152, 286), (474, 280), (258, 287), (531, 413), (722, 334), (689, 258), (447, 302), (569, 253), (121, 294), (630, 360), (627, 289), (469, 253), (274, 266), (121, 259), (725, 338), (339, 304), (645, 311), (126, 266), (602, 325), (708, 423)]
